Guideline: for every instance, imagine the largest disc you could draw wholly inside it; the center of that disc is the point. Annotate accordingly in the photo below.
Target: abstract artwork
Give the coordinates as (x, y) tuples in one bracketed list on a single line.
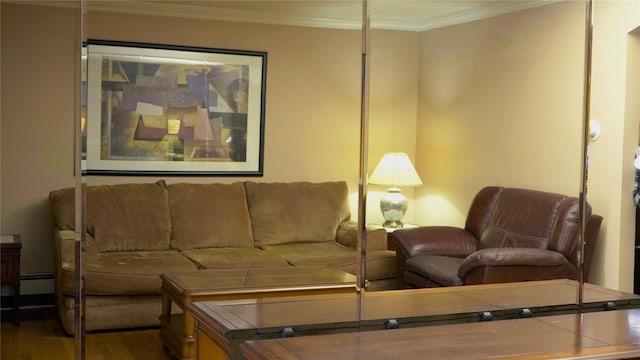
[(173, 110)]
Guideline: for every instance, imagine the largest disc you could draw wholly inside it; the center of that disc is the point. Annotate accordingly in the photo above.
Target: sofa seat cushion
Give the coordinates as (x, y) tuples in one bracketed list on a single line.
[(233, 258), (132, 272), (422, 270), (380, 263), (209, 215), (296, 212)]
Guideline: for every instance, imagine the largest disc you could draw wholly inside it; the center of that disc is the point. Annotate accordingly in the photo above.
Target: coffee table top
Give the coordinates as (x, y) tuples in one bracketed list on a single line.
[(596, 335), (220, 281), (417, 307)]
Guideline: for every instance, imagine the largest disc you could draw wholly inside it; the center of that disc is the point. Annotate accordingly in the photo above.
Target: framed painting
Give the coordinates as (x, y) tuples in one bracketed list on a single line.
[(173, 110)]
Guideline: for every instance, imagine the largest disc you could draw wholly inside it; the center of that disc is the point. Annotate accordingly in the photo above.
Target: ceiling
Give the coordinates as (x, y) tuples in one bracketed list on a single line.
[(411, 15)]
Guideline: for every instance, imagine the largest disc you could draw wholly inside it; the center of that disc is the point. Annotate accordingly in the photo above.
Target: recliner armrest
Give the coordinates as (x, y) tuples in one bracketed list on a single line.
[(434, 240), (494, 257)]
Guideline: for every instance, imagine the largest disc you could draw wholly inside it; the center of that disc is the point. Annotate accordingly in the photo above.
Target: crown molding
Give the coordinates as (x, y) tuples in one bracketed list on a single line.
[(494, 9), (167, 9), (219, 13)]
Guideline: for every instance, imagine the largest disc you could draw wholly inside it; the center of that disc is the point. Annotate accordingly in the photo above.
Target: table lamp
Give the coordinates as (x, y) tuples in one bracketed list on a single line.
[(394, 169)]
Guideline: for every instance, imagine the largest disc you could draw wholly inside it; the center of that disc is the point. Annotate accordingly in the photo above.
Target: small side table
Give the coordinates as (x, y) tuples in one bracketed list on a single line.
[(390, 244), (10, 246), (183, 288)]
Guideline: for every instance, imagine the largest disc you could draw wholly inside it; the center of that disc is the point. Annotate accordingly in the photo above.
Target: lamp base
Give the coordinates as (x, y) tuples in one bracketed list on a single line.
[(393, 206), (393, 224)]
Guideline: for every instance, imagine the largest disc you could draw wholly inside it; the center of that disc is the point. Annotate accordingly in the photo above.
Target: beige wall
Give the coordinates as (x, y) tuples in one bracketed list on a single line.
[(35, 123), (500, 103), (393, 106), (616, 82)]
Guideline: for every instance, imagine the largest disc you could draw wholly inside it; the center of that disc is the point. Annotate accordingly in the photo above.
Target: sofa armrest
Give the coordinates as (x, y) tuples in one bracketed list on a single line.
[(65, 258), (347, 235), (64, 247), (496, 257), (65, 244)]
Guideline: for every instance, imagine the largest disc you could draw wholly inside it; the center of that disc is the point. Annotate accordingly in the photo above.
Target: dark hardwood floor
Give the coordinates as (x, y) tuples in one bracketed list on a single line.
[(40, 336)]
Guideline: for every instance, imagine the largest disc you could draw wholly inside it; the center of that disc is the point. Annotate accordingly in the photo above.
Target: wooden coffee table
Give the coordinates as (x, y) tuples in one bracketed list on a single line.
[(184, 288), (594, 335), (222, 326)]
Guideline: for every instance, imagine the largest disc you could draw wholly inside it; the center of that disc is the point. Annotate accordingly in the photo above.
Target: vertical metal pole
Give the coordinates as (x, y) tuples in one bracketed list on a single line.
[(585, 147), (79, 189), (364, 139)]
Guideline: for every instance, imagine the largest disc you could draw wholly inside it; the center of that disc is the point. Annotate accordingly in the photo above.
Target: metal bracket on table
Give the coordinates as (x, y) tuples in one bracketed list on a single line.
[(485, 316), (287, 332), (525, 313), (391, 324)]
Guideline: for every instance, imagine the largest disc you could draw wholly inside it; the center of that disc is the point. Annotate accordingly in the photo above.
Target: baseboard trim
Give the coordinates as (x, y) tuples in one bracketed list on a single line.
[(41, 276), (29, 301)]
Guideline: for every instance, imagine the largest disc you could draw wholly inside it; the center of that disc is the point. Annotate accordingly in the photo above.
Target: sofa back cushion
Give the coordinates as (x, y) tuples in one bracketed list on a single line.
[(119, 217), (209, 215), (129, 216), (527, 218), (297, 211)]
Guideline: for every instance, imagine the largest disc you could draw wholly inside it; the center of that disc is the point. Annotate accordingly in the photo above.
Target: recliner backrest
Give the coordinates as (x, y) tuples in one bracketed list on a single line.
[(566, 233), (511, 217), (480, 210)]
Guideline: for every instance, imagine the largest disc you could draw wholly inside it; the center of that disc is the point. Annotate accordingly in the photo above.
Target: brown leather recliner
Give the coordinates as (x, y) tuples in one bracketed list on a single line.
[(510, 235)]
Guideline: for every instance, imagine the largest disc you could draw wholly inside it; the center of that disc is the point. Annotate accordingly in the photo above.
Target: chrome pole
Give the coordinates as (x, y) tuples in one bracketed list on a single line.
[(79, 236), (585, 147), (364, 139)]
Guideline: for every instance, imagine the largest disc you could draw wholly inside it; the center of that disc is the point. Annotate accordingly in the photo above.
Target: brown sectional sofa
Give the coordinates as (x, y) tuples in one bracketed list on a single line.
[(135, 232)]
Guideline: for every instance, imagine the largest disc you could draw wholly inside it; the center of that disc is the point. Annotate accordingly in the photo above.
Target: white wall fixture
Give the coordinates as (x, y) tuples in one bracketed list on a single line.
[(594, 129)]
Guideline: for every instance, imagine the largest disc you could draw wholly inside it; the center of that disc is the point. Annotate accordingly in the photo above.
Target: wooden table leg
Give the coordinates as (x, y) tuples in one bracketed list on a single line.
[(166, 305), (16, 303), (189, 338)]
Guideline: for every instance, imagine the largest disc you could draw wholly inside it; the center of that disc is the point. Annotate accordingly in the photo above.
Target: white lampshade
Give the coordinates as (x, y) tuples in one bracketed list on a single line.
[(395, 169)]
